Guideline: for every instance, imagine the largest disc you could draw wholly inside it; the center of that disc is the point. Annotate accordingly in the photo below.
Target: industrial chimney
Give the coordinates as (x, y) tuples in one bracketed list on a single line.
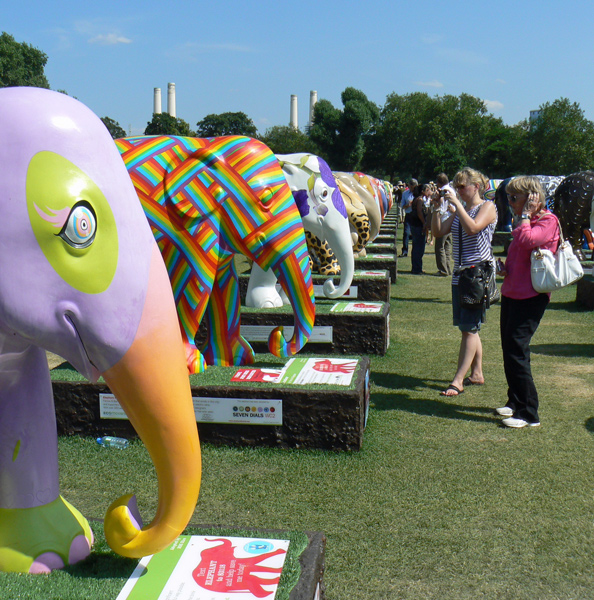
[(171, 99), (293, 119), (157, 101), (313, 99)]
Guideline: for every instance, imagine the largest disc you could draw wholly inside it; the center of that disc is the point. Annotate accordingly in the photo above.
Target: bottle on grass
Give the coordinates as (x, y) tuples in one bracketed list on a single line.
[(109, 441)]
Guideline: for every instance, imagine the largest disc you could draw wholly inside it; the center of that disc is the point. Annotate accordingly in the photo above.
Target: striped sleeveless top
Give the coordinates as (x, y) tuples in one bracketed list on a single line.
[(475, 248)]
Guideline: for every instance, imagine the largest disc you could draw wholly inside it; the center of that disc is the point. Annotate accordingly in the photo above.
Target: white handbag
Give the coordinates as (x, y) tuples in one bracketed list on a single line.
[(552, 272)]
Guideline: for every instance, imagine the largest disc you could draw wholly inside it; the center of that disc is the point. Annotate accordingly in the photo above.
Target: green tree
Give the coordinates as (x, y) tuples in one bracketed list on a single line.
[(229, 123), (21, 64), (165, 124), (420, 136), (561, 139), (403, 130), (506, 150), (114, 128), (343, 135), (283, 139)]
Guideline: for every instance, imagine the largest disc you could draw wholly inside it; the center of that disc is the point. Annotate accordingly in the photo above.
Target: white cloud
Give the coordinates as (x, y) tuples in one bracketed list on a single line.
[(493, 105), (94, 30), (434, 83), (110, 39)]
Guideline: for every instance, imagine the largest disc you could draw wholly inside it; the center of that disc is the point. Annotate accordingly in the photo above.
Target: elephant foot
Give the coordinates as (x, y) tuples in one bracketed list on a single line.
[(44, 538), (194, 359), (263, 297), (237, 353)]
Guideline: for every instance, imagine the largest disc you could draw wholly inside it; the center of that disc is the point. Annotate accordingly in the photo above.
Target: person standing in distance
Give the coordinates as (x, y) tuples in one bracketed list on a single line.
[(406, 203), (443, 244)]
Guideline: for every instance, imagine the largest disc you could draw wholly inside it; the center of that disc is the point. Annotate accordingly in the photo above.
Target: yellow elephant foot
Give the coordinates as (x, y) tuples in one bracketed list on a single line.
[(44, 538)]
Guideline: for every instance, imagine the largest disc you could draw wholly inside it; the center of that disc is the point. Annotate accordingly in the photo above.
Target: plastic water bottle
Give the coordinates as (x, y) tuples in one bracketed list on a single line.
[(108, 441)]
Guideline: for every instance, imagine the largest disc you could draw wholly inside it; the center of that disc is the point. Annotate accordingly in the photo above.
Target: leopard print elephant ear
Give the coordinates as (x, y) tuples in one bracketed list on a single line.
[(323, 259)]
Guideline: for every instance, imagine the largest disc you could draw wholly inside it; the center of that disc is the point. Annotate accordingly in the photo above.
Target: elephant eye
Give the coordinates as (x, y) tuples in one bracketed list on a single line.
[(80, 227), (325, 194)]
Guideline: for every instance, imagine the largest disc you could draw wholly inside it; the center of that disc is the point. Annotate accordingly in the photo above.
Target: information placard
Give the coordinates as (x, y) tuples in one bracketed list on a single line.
[(209, 568), (261, 333), (356, 307), (252, 411), (333, 371)]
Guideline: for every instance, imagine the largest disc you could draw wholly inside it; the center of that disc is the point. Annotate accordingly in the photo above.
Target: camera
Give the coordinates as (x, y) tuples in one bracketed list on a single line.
[(442, 192)]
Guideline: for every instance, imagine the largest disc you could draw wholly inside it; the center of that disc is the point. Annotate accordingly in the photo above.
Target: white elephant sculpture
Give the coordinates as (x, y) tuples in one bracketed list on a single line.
[(324, 216)]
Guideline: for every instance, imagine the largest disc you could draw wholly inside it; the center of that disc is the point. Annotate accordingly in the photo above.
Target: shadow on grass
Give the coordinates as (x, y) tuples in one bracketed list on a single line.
[(442, 406), (103, 565), (423, 300), (571, 307), (589, 424), (577, 350)]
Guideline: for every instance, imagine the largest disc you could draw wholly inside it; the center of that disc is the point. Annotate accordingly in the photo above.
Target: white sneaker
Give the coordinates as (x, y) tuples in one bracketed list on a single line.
[(518, 423), (505, 411)]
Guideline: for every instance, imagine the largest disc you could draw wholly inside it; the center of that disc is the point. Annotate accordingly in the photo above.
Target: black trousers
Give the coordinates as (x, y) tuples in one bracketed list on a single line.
[(519, 321)]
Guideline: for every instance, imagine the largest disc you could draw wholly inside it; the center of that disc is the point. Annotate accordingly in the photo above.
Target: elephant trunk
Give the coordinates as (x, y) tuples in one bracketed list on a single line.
[(151, 383), (294, 275), (341, 243)]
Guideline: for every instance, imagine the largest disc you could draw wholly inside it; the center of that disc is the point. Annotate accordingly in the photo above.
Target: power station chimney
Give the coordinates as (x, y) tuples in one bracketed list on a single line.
[(313, 99), (171, 99), (293, 120), (157, 101)]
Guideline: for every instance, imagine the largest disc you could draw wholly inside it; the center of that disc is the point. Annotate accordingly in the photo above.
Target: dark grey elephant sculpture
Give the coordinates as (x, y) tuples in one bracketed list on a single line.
[(504, 214), (549, 185), (573, 205)]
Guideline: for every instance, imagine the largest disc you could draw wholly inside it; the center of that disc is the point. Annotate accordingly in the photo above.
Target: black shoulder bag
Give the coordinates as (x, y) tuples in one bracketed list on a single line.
[(476, 283)]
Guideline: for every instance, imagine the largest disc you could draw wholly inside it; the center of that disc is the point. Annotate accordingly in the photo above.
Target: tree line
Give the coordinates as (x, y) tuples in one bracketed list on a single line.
[(411, 135)]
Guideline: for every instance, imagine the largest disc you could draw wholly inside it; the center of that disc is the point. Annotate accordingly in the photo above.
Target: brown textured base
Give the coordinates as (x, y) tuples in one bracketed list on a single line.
[(352, 333), (376, 247), (385, 238), (367, 287), (311, 584), (584, 295), (372, 263), (317, 417)]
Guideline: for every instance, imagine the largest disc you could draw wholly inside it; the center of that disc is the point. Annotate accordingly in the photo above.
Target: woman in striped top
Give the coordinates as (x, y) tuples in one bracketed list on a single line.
[(471, 220)]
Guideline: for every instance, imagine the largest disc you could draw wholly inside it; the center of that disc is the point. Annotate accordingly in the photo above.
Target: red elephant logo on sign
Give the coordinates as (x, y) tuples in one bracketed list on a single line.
[(327, 366), (220, 570)]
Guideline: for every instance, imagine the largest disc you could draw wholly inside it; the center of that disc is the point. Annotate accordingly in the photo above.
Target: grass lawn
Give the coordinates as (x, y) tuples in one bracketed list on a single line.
[(442, 502)]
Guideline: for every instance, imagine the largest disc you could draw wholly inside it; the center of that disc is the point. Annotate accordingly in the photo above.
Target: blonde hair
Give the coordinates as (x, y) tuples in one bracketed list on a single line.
[(526, 184), (468, 176)]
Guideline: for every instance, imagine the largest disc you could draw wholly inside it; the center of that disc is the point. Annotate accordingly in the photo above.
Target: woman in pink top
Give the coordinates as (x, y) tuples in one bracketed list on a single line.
[(522, 307)]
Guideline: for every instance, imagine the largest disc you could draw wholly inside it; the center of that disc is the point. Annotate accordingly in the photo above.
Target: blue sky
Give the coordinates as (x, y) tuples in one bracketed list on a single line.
[(252, 56)]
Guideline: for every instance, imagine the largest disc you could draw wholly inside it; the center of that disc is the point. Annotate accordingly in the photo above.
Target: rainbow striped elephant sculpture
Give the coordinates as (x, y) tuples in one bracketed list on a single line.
[(206, 200)]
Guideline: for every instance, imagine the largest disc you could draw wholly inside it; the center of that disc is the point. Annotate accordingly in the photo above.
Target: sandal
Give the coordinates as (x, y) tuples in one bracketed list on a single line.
[(469, 381), (453, 388)]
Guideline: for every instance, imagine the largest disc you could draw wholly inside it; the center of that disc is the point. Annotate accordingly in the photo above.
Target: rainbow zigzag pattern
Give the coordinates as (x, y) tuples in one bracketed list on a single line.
[(206, 199)]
